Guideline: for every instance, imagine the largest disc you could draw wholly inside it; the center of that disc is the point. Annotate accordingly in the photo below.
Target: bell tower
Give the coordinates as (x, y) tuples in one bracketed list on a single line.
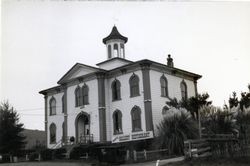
[(115, 44)]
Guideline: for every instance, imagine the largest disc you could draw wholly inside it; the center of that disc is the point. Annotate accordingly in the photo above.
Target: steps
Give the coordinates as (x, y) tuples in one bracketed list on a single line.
[(68, 150)]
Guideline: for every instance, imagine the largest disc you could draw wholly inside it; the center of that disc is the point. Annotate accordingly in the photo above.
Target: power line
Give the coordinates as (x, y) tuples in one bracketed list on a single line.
[(34, 109), (25, 114)]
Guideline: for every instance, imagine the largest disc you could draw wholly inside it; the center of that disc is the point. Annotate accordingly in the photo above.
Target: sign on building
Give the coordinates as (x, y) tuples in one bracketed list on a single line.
[(132, 136)]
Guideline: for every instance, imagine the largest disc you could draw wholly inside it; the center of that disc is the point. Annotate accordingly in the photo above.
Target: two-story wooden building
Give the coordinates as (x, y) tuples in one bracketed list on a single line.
[(118, 101)]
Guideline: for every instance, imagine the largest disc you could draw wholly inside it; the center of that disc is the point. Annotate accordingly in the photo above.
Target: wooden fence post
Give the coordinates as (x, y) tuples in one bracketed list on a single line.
[(11, 159), (127, 155), (135, 157), (157, 163), (26, 157), (145, 154), (189, 149), (39, 157)]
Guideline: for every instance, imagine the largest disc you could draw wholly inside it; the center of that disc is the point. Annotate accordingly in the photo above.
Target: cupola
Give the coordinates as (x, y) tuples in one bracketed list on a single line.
[(115, 44)]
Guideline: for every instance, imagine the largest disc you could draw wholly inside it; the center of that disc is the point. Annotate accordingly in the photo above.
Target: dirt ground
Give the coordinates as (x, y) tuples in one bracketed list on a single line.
[(46, 164), (198, 162)]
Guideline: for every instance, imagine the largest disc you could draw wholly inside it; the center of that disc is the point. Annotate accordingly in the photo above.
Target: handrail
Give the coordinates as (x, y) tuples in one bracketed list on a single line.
[(63, 141), (58, 143), (66, 141), (84, 139)]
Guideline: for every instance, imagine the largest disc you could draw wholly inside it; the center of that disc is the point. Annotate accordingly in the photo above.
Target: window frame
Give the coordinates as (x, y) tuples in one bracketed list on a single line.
[(78, 99), (136, 119), (109, 52), (116, 50), (164, 86), (50, 133), (52, 108), (117, 122), (85, 94), (116, 90), (184, 93), (134, 85)]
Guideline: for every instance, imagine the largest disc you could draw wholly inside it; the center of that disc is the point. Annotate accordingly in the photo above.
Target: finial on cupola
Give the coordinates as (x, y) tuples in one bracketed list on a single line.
[(115, 44), (170, 62)]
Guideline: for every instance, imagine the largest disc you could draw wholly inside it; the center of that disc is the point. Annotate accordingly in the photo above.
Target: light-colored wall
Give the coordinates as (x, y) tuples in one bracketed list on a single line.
[(91, 109), (125, 105), (56, 119), (174, 91)]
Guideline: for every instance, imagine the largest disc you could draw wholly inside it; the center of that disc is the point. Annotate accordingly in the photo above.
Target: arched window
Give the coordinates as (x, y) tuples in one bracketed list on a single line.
[(109, 51), (116, 92), (184, 90), (78, 96), (117, 122), (63, 104), (85, 94), (116, 50), (122, 50), (52, 133), (136, 118), (52, 106), (165, 110), (164, 86), (134, 85)]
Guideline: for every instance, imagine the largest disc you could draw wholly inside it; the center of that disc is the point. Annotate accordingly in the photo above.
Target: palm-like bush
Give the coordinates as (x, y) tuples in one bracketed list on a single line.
[(175, 129), (217, 121), (243, 123)]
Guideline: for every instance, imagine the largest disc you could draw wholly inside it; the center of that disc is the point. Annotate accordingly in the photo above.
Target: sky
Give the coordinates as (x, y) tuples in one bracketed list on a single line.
[(42, 39)]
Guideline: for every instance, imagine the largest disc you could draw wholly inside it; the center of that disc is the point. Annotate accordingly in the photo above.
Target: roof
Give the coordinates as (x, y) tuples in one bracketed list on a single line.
[(114, 35), (173, 69), (131, 64), (95, 69), (49, 89), (112, 59)]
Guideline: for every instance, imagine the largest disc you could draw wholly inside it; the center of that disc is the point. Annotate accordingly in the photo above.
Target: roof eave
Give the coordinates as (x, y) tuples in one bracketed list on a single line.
[(61, 81)]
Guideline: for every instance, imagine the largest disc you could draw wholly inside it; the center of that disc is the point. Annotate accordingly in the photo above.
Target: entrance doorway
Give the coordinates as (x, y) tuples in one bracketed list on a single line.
[(82, 128)]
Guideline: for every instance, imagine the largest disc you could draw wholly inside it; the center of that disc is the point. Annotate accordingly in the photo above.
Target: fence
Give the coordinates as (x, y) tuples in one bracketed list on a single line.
[(197, 148), (150, 155), (218, 145)]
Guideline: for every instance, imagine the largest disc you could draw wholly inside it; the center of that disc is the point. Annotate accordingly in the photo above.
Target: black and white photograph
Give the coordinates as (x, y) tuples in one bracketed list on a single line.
[(125, 82)]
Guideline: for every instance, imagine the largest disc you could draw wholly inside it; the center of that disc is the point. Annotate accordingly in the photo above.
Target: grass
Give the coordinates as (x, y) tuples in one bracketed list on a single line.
[(56, 163), (241, 161)]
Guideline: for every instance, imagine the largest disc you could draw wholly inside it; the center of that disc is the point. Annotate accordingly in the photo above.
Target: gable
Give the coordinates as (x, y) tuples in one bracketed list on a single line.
[(80, 72), (77, 70), (113, 63)]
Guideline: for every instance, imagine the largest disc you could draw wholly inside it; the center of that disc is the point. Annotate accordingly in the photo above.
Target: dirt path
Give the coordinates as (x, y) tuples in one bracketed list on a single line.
[(46, 164)]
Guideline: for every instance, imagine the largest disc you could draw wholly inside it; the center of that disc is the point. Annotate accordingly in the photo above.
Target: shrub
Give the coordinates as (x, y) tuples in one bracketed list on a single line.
[(5, 158), (33, 156), (243, 123), (217, 121), (47, 154), (175, 129), (59, 153)]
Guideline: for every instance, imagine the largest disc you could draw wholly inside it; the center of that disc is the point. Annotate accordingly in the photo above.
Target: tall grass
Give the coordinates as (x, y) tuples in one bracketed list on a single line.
[(174, 130)]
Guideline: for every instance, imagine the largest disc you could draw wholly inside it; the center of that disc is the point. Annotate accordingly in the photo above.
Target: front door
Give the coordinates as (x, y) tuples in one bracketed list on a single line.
[(83, 127)]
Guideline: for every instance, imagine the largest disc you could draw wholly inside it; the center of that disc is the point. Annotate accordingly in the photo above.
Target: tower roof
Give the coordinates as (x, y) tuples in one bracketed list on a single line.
[(114, 35)]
